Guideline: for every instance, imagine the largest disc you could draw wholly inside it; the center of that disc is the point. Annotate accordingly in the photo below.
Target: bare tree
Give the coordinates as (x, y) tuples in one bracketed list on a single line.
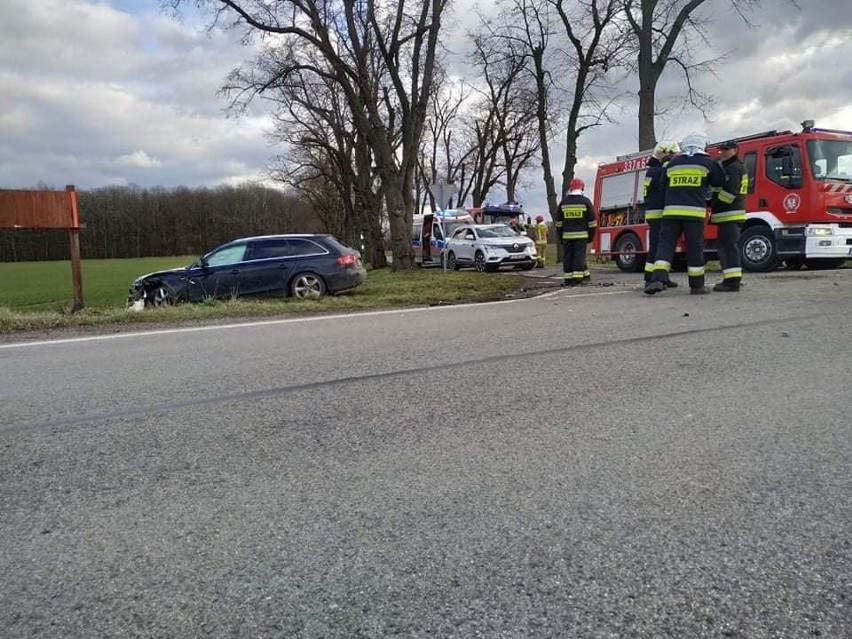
[(444, 149), (358, 40), (662, 30), (568, 53), (322, 147), (598, 46), (506, 115), (533, 20)]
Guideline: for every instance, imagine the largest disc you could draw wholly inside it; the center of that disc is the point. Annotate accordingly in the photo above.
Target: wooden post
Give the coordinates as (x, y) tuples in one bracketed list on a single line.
[(76, 263)]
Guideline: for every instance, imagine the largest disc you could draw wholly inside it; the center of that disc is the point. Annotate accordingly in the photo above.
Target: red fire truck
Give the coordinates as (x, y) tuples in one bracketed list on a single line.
[(799, 202)]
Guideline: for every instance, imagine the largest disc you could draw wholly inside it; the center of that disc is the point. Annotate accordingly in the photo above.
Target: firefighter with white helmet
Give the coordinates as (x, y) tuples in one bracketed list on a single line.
[(576, 224), (653, 199), (540, 230), (687, 180)]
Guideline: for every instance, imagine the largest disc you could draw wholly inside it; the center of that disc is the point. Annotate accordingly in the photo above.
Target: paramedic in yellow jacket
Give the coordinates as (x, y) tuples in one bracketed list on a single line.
[(540, 230)]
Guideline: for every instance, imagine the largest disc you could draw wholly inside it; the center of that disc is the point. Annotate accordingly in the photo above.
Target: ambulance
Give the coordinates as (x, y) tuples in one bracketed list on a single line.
[(799, 202), (430, 231)]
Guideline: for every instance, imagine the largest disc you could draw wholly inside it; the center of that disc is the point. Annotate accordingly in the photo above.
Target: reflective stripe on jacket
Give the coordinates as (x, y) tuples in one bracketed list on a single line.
[(652, 192), (686, 183), (575, 219), (728, 203)]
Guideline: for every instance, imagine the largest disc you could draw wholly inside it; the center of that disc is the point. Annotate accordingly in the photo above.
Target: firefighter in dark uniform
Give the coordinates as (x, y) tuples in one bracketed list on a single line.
[(653, 199), (728, 211), (687, 180), (576, 225)]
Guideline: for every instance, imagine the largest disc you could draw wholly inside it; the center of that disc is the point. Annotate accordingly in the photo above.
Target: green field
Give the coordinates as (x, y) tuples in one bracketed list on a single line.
[(39, 295), (37, 286)]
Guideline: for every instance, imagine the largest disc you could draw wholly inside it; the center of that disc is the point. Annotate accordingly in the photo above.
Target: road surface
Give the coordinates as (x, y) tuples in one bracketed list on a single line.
[(588, 463)]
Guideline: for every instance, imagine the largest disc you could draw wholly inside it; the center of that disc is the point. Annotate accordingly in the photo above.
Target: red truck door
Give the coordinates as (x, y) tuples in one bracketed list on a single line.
[(779, 186)]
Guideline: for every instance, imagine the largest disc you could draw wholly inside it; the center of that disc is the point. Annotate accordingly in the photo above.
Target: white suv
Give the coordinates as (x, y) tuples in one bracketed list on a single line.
[(487, 247)]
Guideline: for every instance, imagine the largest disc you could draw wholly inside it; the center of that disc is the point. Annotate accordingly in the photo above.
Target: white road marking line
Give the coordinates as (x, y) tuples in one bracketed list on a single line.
[(290, 320)]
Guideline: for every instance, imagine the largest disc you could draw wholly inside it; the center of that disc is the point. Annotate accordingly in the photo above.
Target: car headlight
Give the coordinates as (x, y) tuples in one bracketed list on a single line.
[(820, 231)]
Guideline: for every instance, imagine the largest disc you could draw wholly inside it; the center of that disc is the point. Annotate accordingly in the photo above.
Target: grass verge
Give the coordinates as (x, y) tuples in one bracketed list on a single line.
[(36, 296)]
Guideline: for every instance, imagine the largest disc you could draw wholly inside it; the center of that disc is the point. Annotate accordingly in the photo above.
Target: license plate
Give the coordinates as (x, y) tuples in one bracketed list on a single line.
[(518, 257)]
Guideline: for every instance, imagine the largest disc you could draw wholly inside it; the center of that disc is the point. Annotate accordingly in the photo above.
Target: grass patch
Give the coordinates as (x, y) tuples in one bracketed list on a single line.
[(42, 286), (37, 295)]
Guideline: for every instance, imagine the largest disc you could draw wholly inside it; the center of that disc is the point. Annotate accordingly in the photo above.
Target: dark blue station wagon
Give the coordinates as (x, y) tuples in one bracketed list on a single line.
[(303, 266)]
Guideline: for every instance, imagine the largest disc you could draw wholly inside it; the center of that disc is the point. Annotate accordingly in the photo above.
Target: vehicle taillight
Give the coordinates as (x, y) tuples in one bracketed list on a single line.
[(347, 260)]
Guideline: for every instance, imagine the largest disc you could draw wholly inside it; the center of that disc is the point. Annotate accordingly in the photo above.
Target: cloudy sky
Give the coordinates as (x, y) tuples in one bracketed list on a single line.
[(102, 92)]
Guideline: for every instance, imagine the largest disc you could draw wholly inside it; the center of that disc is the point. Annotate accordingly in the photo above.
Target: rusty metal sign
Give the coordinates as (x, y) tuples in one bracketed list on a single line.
[(47, 210), (39, 209)]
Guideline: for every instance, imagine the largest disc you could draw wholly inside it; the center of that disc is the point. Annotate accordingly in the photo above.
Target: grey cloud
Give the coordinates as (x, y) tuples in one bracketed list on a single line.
[(93, 95)]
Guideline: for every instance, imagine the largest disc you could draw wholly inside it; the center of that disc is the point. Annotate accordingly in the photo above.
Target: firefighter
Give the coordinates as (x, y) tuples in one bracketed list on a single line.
[(575, 225), (728, 211), (540, 230), (687, 180), (653, 198)]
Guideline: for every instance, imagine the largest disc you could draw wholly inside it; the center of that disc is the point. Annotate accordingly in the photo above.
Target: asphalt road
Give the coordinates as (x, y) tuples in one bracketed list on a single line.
[(590, 463)]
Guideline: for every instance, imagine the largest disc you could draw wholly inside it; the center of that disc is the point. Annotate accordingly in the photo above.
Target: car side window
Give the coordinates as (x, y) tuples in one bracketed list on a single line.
[(228, 255), (267, 249), (470, 235), (299, 247)]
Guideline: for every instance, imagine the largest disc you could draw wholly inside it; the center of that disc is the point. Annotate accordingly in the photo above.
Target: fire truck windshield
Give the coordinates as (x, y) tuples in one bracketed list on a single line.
[(831, 159)]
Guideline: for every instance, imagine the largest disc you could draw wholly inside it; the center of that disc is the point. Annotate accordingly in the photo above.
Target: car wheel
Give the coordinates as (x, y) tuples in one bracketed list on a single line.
[(528, 267), (479, 262), (757, 249), (307, 286), (451, 261), (162, 295), (633, 262)]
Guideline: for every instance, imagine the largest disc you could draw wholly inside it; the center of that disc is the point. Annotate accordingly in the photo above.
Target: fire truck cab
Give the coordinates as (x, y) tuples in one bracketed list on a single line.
[(799, 202)]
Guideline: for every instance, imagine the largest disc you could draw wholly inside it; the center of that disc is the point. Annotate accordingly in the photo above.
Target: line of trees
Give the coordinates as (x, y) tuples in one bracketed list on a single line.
[(123, 222), (367, 111)]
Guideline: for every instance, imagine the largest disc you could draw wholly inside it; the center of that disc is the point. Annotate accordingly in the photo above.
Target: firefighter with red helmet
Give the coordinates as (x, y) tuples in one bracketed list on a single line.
[(728, 211), (575, 226), (540, 230), (653, 194), (687, 180)]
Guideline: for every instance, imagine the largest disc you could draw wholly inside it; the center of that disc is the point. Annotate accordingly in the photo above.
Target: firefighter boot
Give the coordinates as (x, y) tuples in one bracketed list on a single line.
[(727, 286), (703, 290), (653, 287)]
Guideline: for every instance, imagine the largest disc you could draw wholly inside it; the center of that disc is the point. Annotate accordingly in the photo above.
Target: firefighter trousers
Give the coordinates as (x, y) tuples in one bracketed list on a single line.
[(728, 247), (653, 242), (573, 260), (670, 230)]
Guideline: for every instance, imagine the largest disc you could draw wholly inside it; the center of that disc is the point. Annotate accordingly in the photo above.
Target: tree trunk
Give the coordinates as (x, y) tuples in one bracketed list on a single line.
[(647, 92), (400, 224)]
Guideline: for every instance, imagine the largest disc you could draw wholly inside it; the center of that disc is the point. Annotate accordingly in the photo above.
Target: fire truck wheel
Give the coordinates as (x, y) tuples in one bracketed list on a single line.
[(630, 245), (757, 249)]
